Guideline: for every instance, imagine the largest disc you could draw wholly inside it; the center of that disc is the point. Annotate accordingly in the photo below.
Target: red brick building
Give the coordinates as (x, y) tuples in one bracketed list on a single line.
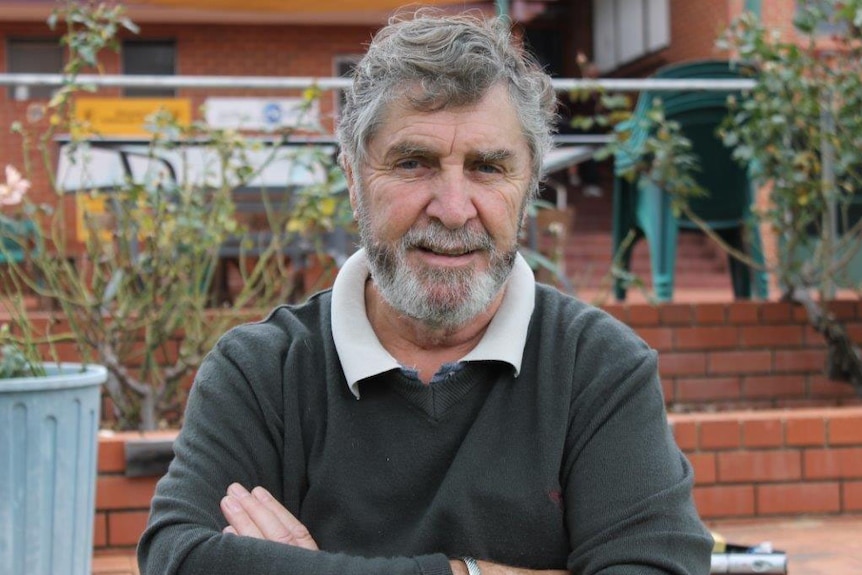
[(279, 39)]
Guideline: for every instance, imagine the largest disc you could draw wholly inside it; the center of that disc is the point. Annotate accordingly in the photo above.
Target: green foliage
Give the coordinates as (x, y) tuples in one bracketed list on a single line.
[(801, 129), (665, 156), (140, 298)]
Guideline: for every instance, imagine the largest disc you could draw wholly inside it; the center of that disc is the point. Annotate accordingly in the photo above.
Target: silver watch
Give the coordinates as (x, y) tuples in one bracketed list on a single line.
[(472, 566)]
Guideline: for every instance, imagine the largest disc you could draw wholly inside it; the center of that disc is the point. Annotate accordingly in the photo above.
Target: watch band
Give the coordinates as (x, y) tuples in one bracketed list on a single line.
[(472, 566)]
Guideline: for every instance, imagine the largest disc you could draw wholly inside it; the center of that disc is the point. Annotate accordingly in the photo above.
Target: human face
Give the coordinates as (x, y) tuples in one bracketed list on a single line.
[(441, 199)]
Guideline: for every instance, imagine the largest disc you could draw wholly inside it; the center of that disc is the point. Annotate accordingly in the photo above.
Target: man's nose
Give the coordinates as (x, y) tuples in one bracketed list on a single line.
[(452, 203)]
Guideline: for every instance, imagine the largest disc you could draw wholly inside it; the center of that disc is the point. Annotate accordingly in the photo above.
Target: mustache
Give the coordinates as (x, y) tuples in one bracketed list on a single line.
[(438, 238)]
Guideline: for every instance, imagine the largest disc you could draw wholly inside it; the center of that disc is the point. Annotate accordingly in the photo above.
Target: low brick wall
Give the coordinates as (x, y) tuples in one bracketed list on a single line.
[(767, 433), (747, 464), (741, 355), (774, 462), (122, 503)]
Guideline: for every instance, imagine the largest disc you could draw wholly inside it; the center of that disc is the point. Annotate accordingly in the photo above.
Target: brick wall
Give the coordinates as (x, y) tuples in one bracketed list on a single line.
[(774, 462), (741, 355), (766, 463), (122, 503)]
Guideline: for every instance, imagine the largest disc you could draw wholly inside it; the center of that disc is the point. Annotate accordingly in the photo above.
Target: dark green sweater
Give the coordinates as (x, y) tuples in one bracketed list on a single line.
[(571, 464)]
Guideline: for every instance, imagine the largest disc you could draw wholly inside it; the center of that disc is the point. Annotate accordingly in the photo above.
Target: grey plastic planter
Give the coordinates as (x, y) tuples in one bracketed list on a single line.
[(48, 444)]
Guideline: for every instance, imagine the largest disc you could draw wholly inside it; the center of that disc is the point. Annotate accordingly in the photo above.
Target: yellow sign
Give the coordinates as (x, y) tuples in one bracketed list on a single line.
[(93, 215), (128, 116)]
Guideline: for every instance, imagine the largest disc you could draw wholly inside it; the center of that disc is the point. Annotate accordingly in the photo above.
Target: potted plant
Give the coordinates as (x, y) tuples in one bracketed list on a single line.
[(49, 416)]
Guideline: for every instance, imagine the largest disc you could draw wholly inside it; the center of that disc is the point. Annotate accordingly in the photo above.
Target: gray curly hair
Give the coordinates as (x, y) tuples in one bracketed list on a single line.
[(453, 61)]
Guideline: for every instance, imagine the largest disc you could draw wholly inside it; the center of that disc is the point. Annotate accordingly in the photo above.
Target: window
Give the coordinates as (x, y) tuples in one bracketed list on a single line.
[(151, 59), (625, 30), (829, 10), (31, 56), (343, 69)]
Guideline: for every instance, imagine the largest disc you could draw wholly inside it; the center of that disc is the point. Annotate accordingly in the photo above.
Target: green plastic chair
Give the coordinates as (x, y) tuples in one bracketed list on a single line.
[(14, 236), (643, 207)]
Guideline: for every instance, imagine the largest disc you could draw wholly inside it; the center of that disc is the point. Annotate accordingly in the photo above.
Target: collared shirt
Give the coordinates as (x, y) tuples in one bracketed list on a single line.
[(362, 355)]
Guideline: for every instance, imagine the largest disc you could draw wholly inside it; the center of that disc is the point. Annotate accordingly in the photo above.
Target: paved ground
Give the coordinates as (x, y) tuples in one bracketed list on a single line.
[(814, 545)]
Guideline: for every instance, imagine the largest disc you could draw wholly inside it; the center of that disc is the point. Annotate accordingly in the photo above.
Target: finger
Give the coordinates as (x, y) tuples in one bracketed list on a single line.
[(229, 530), (299, 534), (251, 517), (238, 519), (264, 517)]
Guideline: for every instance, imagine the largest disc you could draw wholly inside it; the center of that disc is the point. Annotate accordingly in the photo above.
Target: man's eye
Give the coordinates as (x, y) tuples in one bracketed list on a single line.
[(487, 168), (409, 164)]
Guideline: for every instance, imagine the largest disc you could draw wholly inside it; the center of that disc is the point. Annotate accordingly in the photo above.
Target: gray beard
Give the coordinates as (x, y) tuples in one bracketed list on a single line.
[(438, 298)]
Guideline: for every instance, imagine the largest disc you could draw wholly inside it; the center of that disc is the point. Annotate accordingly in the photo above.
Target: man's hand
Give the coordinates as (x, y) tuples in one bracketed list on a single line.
[(258, 514), (459, 568)]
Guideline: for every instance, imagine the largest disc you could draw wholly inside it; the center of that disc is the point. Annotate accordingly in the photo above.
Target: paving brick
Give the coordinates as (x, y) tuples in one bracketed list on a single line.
[(759, 466), (100, 530), (852, 496), (739, 362), (643, 315), (799, 360), (743, 312), (771, 386), (845, 429), (804, 431), (660, 338), (790, 498), (685, 433), (706, 338), (674, 364), (675, 314), (125, 527), (776, 312), (838, 463), (724, 501), (710, 313), (118, 492), (112, 455), (770, 336), (719, 435), (708, 389), (704, 468), (759, 433)]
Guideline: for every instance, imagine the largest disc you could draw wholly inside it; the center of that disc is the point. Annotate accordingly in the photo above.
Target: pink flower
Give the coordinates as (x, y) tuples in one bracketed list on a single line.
[(12, 192)]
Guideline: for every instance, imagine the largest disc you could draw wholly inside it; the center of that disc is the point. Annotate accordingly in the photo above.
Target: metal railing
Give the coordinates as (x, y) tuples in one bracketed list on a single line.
[(334, 83)]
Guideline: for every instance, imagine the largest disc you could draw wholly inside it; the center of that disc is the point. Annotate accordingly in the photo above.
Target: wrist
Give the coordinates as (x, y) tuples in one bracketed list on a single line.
[(472, 566)]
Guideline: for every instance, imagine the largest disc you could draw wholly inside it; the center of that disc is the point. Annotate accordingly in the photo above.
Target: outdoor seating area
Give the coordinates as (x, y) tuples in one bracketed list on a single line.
[(642, 207), (709, 205)]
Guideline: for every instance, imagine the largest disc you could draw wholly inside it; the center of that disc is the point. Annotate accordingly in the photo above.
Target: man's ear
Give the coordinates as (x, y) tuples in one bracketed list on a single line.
[(351, 183)]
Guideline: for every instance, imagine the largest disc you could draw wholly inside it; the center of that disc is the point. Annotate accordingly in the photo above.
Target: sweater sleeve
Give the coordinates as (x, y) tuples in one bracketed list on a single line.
[(233, 431), (627, 485)]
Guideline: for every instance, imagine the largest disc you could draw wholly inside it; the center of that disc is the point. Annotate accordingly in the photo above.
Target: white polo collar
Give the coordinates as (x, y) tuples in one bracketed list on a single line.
[(362, 355)]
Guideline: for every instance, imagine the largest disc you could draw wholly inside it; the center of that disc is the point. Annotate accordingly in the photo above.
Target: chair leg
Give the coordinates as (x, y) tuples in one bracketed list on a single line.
[(622, 224), (760, 277), (740, 273), (661, 229), (623, 258)]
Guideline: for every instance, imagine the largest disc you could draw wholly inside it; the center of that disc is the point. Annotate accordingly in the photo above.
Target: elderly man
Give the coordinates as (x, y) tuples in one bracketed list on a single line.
[(437, 411)]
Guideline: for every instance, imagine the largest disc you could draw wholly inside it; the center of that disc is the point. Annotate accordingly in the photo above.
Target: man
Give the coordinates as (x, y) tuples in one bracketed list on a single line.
[(436, 412)]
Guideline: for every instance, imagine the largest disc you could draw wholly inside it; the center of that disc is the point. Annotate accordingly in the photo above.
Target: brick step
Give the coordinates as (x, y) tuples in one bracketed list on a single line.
[(600, 251), (642, 265)]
